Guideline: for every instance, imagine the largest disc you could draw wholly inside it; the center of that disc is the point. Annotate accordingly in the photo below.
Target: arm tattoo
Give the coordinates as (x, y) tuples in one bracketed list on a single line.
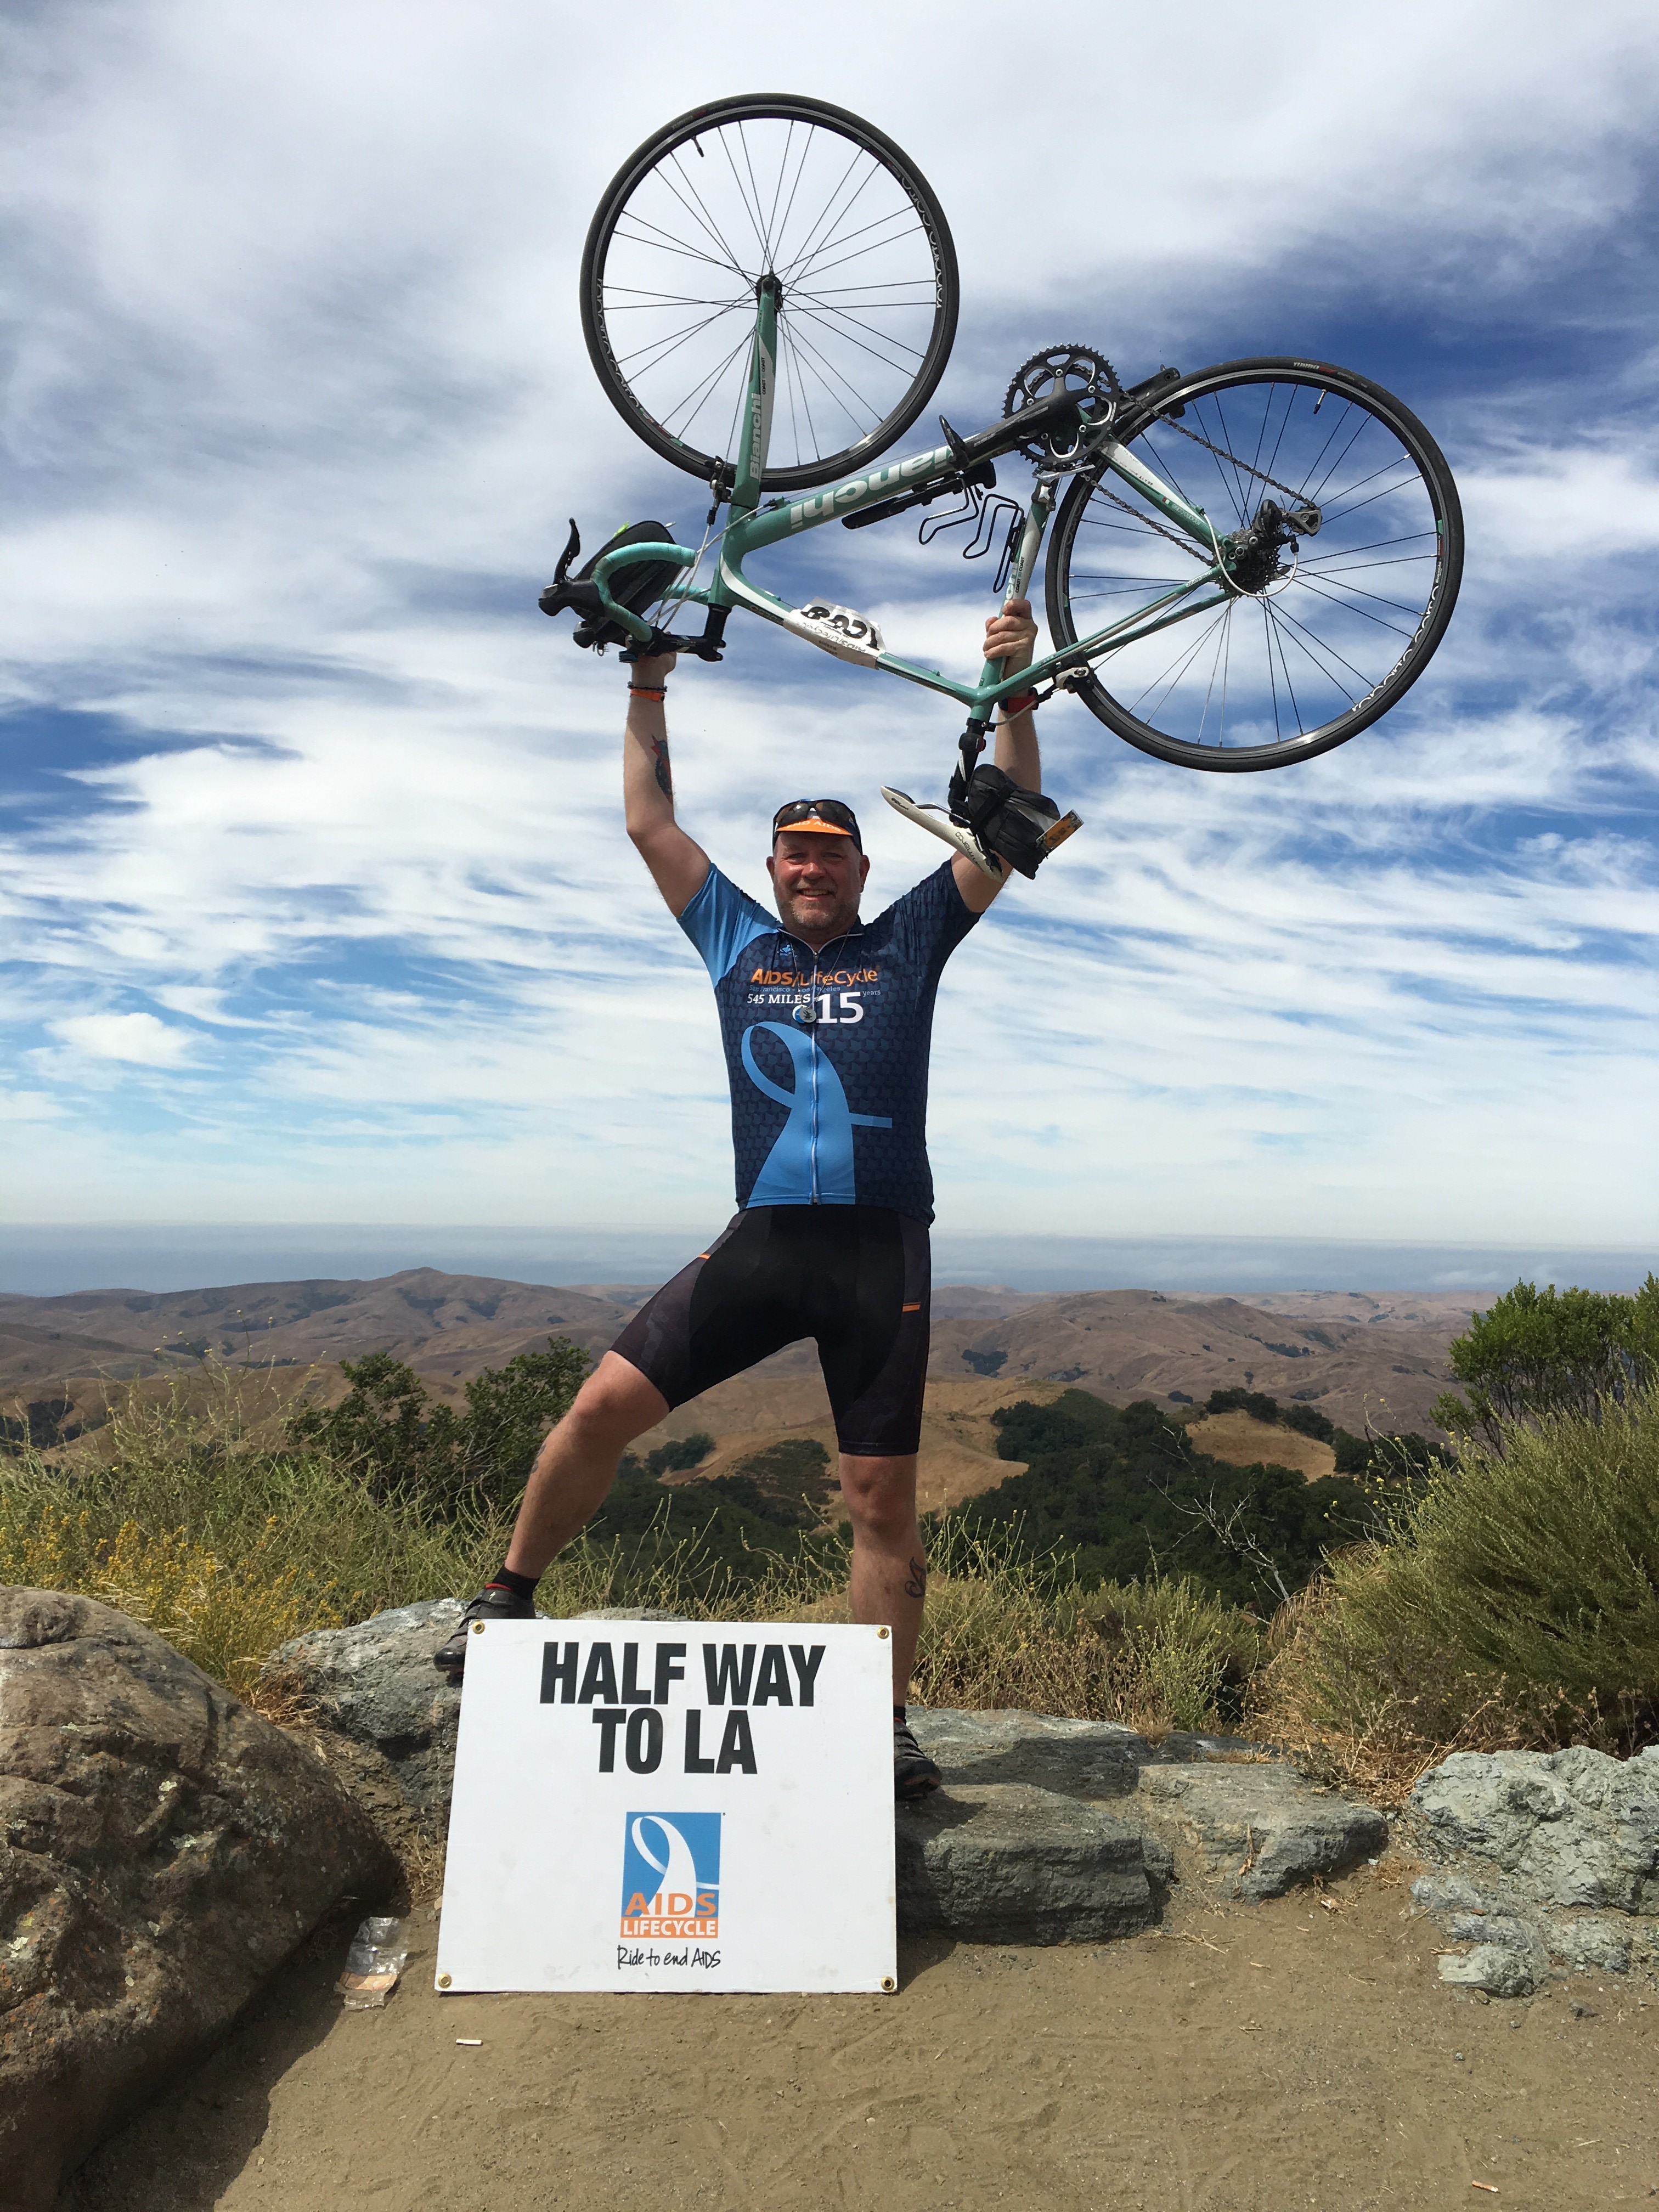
[(917, 1585), (665, 778)]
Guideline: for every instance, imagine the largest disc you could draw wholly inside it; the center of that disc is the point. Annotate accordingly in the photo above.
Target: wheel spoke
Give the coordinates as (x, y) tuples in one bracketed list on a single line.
[(822, 322), (1354, 593), (691, 201)]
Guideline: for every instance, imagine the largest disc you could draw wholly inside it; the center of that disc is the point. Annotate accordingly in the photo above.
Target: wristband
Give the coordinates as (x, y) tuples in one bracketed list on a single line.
[(1011, 707), (646, 692)]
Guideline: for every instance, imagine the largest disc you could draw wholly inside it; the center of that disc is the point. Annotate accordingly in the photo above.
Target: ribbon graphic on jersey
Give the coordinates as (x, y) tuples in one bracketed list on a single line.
[(814, 1150)]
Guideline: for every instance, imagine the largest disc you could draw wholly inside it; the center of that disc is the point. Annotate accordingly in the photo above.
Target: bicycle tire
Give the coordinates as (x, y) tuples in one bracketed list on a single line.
[(1423, 514), (928, 331)]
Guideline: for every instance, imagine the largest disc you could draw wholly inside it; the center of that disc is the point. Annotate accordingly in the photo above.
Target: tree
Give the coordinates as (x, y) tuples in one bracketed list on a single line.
[(1549, 1351), (403, 1444)]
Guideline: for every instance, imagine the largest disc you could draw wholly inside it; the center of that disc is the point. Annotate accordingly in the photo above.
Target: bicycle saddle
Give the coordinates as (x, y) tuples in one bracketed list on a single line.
[(638, 586)]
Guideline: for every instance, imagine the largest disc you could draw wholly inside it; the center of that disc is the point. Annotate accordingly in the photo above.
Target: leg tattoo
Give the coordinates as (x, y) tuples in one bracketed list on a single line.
[(917, 1585)]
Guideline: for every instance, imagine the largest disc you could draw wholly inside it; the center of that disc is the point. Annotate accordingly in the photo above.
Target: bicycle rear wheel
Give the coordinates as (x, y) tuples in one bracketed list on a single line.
[(731, 192), (1324, 631)]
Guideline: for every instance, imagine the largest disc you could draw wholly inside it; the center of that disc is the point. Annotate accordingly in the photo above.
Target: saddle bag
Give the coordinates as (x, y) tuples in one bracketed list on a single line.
[(636, 588)]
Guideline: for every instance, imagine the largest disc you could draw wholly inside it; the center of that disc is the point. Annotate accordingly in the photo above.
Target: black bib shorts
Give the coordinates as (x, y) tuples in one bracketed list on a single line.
[(856, 1279)]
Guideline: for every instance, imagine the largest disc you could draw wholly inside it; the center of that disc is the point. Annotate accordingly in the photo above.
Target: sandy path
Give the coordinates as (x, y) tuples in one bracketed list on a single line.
[(1270, 2058)]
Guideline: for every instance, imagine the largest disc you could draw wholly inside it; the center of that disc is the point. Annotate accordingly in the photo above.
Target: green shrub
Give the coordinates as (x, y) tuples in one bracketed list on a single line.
[(1514, 1601), (407, 1445), (1548, 1352), (679, 1453)]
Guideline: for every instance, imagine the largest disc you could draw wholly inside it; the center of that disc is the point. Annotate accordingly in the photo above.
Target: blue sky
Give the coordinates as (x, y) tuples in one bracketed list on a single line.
[(317, 906)]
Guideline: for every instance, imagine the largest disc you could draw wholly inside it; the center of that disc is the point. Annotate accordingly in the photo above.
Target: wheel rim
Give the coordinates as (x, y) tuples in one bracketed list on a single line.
[(857, 246), (1333, 626)]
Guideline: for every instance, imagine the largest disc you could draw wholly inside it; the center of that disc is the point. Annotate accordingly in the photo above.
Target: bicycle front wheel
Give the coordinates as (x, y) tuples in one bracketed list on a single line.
[(1319, 631), (773, 185)]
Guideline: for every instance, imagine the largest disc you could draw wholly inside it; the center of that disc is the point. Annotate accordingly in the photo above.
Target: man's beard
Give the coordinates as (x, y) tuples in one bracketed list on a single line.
[(821, 917)]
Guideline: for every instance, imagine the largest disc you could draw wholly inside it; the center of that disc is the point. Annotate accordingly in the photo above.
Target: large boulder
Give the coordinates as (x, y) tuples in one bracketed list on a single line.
[(1003, 1863), (163, 1851)]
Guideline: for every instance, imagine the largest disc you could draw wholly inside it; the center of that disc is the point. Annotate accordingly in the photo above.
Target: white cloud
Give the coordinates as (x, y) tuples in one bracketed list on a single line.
[(298, 407), (138, 1040)]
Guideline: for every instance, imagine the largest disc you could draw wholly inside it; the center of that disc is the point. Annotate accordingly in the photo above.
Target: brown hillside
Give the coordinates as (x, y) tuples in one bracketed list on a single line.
[(1242, 1441), (1142, 1344)]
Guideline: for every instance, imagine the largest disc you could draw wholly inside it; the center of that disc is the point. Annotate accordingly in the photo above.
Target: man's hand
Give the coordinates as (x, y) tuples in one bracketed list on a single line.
[(654, 673), (1011, 636)]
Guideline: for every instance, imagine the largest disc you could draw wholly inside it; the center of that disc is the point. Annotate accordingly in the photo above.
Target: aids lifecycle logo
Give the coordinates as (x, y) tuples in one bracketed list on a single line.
[(670, 1875)]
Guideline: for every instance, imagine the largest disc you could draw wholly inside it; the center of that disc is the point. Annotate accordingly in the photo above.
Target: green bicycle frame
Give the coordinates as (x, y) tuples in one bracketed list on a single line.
[(753, 527)]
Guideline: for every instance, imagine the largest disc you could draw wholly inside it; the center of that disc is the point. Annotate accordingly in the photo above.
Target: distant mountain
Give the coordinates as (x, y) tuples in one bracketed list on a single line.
[(1350, 1355)]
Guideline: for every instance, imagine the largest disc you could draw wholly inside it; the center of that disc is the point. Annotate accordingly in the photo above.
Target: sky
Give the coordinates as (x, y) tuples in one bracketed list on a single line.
[(317, 905)]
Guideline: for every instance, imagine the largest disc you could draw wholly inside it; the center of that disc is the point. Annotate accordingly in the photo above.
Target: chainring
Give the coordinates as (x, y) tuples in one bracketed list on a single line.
[(1074, 369)]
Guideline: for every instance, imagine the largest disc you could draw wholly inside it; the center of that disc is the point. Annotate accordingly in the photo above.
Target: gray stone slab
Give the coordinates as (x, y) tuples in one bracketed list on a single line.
[(1078, 1758), (1004, 1862), (376, 1682), (1260, 1829)]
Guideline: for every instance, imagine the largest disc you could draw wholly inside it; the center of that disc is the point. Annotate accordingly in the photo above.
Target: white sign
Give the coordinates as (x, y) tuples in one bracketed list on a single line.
[(693, 1805)]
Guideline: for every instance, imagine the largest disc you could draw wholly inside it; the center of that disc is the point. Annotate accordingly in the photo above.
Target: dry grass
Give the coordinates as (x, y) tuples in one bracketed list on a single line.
[(179, 1512), (225, 1616), (1512, 1604)]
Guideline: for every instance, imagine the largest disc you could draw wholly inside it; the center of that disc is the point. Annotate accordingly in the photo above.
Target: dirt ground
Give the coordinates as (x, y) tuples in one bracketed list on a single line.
[(1239, 2059)]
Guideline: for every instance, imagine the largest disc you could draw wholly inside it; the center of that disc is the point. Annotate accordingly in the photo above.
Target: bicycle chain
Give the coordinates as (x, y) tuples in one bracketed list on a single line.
[(1185, 543), (1300, 498)]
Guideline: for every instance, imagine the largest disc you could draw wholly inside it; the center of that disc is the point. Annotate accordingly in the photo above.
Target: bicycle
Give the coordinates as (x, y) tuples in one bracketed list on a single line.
[(769, 295)]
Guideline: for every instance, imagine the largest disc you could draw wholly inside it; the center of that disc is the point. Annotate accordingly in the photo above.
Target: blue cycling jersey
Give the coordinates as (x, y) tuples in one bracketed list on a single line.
[(827, 1052)]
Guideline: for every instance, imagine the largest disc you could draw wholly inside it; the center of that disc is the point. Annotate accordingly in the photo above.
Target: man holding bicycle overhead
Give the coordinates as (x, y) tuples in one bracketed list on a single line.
[(827, 1022)]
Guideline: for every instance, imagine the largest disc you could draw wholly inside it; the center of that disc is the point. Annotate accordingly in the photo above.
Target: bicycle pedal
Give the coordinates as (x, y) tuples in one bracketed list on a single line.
[(1067, 826)]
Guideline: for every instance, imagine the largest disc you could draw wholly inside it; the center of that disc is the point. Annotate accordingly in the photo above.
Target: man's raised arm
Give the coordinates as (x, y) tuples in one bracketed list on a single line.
[(677, 863), (1009, 638)]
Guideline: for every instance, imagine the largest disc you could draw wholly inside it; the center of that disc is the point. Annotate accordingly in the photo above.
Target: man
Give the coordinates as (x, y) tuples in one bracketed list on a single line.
[(826, 1022)]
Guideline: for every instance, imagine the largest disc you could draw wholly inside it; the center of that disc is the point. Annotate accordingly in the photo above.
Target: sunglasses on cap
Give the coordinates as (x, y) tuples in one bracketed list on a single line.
[(831, 815)]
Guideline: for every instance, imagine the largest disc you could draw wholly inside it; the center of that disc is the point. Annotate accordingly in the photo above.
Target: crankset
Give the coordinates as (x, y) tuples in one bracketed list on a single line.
[(1086, 375)]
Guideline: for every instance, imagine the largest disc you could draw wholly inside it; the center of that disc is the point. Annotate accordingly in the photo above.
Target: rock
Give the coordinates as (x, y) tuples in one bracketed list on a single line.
[(1078, 1758), (1260, 1828), (1570, 1827), (627, 1613), (376, 1684), (163, 1851), (1496, 1968), (1591, 1946), (1448, 1893), (1004, 1862)]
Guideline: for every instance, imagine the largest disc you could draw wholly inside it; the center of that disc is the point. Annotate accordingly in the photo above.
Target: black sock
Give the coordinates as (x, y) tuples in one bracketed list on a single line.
[(899, 1712), (522, 1586)]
